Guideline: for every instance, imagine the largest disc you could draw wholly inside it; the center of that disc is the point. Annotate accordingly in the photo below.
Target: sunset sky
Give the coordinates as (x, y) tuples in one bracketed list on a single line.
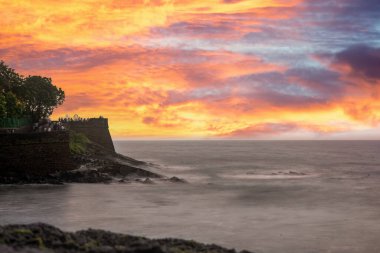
[(206, 69)]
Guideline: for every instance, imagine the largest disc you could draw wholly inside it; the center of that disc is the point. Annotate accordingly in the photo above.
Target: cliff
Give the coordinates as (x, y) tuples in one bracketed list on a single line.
[(46, 157)]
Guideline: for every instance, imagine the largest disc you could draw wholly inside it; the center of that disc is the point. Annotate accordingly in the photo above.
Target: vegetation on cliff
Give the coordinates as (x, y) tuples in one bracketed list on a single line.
[(32, 96), (78, 143), (38, 238)]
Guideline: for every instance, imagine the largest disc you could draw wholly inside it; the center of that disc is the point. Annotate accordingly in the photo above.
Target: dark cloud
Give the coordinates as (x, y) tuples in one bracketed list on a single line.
[(293, 87), (363, 60), (150, 120), (30, 58), (278, 99), (201, 28), (322, 81), (79, 59), (206, 94), (347, 8), (272, 31), (343, 22)]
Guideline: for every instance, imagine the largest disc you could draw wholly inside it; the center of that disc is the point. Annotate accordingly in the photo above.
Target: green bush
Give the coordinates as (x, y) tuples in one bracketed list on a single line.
[(78, 142)]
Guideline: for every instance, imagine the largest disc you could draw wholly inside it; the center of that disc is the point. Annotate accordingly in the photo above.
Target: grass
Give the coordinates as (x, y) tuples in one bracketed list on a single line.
[(78, 142), (23, 231)]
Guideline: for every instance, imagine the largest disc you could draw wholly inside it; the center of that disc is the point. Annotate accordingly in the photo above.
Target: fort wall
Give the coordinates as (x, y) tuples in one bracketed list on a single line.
[(35, 153), (96, 130)]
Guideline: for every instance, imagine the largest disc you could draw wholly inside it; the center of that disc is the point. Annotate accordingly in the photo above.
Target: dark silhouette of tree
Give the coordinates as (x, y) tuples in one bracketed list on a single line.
[(3, 106), (10, 84), (14, 107), (40, 96), (33, 96), (9, 79)]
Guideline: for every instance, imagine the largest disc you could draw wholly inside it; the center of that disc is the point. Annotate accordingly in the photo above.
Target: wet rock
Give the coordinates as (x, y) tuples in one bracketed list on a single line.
[(124, 181), (144, 181), (6, 249), (86, 176), (177, 180), (38, 238), (148, 181), (296, 173)]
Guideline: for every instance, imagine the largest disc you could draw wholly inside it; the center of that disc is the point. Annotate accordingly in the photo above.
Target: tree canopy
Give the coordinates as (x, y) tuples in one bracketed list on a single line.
[(9, 79), (32, 96)]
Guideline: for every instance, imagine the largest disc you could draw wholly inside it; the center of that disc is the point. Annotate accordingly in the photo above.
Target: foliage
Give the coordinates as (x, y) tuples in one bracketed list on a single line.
[(3, 106), (40, 96), (9, 79), (78, 142), (14, 107), (33, 96)]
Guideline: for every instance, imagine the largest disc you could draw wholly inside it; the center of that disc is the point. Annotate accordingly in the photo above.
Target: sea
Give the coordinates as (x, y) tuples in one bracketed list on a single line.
[(262, 196)]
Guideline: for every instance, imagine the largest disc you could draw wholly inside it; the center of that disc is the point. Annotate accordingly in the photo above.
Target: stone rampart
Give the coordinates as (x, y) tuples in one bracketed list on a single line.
[(35, 153), (96, 129)]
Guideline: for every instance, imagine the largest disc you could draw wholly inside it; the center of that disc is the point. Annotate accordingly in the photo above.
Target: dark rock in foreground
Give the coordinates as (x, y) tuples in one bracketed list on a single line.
[(38, 238)]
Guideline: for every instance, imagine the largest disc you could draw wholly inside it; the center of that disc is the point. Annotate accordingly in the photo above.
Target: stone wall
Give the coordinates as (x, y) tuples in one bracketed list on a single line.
[(96, 129), (35, 153)]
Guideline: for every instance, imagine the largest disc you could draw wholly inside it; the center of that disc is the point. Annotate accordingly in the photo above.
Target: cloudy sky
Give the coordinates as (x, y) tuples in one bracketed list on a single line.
[(240, 69)]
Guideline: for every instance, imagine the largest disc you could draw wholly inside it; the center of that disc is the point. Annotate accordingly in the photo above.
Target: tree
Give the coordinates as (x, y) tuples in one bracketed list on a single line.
[(3, 108), (33, 96), (40, 96), (9, 79), (14, 106), (10, 82)]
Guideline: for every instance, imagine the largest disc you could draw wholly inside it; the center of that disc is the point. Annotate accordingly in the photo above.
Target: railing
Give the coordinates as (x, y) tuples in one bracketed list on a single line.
[(15, 122)]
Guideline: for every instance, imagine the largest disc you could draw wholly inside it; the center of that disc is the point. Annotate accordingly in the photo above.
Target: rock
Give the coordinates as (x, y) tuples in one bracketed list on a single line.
[(6, 249), (296, 173), (39, 237), (177, 180), (124, 180), (85, 176), (144, 181), (148, 181)]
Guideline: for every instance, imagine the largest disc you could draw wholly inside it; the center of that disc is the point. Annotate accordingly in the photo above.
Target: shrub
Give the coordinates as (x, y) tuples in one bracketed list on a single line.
[(78, 142)]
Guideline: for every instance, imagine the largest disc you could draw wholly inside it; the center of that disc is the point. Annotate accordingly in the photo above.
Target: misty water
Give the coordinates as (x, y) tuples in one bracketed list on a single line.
[(270, 197)]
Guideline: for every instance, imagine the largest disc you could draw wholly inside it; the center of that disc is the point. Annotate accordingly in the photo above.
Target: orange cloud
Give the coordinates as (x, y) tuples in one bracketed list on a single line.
[(186, 68)]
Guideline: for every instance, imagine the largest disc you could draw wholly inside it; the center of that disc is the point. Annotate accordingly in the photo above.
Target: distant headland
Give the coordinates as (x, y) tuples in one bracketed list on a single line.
[(35, 149)]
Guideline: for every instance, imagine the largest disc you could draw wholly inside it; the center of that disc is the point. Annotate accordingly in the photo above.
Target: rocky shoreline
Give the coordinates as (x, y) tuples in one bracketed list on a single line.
[(39, 238), (96, 165)]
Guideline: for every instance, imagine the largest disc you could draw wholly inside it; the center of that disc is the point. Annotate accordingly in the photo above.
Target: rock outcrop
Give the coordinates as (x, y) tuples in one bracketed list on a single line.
[(39, 238)]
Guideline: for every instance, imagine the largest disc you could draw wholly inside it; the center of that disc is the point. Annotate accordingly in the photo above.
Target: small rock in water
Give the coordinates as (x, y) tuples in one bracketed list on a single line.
[(296, 173), (124, 181), (177, 180), (146, 181)]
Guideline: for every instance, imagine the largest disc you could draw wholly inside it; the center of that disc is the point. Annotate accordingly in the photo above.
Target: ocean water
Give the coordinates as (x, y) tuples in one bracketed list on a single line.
[(263, 196)]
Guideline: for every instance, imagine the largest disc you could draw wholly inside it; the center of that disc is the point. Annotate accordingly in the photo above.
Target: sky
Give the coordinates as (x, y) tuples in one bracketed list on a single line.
[(210, 69)]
